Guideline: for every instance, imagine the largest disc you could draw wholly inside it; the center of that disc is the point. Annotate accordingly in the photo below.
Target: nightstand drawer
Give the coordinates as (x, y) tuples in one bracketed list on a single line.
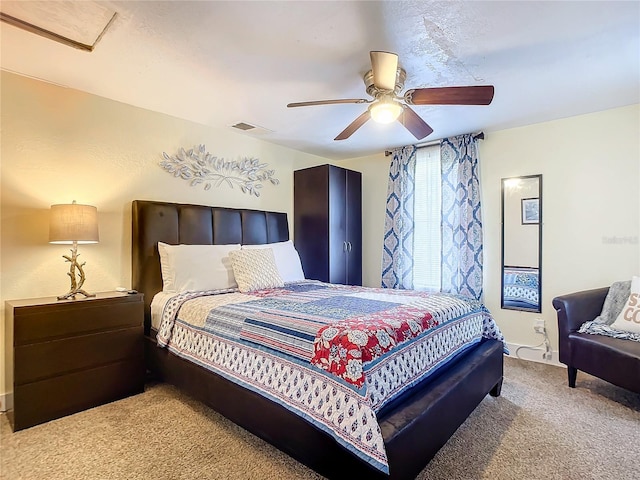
[(48, 359), (56, 397), (76, 318)]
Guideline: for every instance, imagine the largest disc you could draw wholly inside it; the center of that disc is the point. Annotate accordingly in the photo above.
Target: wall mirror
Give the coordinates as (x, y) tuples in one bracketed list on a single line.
[(522, 243)]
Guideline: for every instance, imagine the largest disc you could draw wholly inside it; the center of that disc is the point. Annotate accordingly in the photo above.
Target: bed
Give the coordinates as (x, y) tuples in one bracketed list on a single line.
[(412, 425), (521, 288)]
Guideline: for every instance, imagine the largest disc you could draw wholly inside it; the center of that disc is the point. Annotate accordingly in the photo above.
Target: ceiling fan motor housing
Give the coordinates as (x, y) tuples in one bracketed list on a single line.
[(401, 76)]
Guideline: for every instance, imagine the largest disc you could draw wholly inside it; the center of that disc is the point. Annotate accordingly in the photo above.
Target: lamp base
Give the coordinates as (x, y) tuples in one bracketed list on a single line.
[(76, 284), (73, 293)]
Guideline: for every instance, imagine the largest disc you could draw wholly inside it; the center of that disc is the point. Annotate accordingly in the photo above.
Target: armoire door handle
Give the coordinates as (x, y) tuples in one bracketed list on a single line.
[(345, 248), (349, 247)]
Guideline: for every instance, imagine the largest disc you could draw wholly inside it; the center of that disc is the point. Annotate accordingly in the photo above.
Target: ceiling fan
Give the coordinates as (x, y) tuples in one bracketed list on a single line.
[(385, 81)]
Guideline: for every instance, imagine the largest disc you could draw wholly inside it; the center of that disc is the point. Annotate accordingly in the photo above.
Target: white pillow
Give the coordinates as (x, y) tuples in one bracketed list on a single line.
[(196, 267), (255, 269), (286, 257), (629, 318)]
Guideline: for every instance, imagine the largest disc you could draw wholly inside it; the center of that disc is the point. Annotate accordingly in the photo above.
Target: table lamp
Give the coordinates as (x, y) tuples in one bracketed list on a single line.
[(71, 224)]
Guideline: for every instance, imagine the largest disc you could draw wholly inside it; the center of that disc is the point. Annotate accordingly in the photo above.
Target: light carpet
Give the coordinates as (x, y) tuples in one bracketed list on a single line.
[(538, 429)]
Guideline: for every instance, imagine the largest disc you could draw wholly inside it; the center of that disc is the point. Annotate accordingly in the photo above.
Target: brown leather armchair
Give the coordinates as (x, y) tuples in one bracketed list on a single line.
[(612, 359)]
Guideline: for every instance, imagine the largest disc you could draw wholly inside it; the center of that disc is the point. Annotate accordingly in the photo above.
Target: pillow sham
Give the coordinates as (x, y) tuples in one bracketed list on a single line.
[(286, 257), (629, 318), (255, 269), (196, 267)]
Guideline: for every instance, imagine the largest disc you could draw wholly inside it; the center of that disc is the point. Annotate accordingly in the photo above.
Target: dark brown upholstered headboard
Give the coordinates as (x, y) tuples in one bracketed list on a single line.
[(176, 223)]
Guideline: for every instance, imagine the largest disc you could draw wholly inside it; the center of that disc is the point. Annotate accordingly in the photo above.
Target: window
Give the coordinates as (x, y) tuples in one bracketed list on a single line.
[(427, 218)]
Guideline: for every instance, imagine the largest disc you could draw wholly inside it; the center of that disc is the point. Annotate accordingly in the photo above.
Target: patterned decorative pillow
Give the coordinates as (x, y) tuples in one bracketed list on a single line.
[(629, 318), (255, 269), (287, 259)]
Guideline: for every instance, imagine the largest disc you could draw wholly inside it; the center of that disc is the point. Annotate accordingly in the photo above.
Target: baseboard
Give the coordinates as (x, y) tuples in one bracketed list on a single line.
[(532, 354), (6, 401)]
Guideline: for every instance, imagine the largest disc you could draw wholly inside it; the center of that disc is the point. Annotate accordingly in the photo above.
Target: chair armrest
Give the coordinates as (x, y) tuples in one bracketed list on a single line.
[(576, 308), (573, 310)]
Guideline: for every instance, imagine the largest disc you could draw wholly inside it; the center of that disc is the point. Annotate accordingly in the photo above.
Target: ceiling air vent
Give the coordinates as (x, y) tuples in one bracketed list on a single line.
[(250, 128)]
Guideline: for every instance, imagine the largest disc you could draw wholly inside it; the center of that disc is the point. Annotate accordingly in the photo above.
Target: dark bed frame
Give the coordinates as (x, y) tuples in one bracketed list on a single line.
[(413, 429)]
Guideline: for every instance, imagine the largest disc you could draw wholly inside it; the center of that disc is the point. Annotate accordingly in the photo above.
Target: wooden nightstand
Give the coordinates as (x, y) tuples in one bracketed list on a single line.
[(71, 355)]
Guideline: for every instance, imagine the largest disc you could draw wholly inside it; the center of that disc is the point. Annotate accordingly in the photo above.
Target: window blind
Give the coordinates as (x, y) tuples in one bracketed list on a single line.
[(427, 219)]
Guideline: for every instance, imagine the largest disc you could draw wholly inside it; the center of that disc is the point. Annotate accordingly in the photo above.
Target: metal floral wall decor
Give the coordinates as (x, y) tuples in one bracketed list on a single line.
[(197, 166)]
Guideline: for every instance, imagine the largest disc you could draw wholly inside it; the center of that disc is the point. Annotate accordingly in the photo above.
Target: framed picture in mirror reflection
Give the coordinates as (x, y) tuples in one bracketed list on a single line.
[(530, 211)]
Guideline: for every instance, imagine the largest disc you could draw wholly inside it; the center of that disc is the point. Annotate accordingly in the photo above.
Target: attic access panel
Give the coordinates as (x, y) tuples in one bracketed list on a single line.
[(76, 24)]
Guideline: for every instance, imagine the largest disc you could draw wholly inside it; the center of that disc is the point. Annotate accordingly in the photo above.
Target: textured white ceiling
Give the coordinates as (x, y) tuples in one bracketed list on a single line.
[(218, 63)]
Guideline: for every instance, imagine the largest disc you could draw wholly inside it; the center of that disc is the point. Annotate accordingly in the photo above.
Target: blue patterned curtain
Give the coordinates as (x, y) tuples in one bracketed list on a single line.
[(397, 252), (461, 218)]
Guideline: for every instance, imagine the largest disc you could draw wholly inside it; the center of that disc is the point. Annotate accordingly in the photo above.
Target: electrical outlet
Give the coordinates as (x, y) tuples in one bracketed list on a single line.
[(539, 326)]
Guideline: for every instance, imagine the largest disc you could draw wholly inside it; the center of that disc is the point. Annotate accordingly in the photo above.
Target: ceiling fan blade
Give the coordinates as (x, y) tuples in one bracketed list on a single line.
[(476, 95), (412, 122), (328, 102), (384, 66), (353, 126)]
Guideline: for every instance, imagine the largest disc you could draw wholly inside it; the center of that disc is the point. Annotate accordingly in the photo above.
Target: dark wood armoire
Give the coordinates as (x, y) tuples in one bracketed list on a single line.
[(328, 223)]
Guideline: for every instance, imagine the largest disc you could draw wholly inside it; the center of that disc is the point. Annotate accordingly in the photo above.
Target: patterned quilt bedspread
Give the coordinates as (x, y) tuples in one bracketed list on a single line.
[(333, 354)]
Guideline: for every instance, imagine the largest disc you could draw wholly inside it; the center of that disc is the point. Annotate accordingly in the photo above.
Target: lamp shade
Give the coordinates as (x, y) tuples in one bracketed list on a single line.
[(73, 223), (385, 111)]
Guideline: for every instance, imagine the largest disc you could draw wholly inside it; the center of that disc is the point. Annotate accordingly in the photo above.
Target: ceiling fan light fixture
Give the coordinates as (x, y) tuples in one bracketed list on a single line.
[(385, 111)]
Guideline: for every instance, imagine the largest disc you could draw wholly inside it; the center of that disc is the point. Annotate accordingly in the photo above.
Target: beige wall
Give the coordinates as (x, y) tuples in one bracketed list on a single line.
[(591, 207), (59, 144), (590, 168)]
